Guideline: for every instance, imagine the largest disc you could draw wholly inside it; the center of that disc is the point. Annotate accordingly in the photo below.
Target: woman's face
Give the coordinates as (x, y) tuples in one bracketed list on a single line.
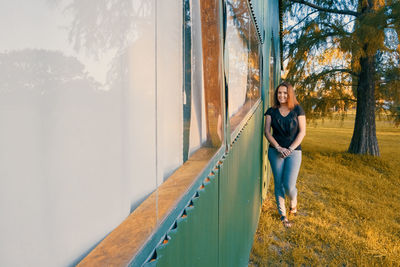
[(282, 95)]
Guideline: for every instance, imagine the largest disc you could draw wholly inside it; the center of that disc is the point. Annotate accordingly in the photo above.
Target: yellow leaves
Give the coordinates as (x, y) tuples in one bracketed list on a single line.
[(316, 28), (355, 66), (285, 32), (378, 4), (375, 4), (313, 27), (334, 55), (284, 74)]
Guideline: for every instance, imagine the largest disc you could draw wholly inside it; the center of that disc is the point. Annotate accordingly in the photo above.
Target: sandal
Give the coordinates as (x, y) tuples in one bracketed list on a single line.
[(293, 211), (286, 222)]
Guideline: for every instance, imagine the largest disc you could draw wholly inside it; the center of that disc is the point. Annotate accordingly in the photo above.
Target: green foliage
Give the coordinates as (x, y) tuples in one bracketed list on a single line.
[(325, 40)]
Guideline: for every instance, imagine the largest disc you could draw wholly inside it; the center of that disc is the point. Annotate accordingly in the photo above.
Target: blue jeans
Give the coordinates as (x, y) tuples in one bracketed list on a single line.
[(285, 171)]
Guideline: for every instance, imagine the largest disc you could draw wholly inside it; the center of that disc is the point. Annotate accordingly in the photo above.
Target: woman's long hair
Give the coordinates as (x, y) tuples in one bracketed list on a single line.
[(291, 100)]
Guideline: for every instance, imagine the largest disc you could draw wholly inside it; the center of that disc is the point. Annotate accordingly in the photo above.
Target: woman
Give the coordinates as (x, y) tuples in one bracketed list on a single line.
[(288, 122)]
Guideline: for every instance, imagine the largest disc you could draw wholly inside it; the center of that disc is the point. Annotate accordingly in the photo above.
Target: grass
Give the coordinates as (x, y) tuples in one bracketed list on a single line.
[(349, 205)]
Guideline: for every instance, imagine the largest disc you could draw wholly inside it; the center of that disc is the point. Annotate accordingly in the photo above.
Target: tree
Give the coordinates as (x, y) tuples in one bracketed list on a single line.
[(345, 52)]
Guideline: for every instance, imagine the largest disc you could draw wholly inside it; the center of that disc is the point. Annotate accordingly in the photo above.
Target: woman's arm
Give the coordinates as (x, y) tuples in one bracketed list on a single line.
[(268, 135), (301, 134)]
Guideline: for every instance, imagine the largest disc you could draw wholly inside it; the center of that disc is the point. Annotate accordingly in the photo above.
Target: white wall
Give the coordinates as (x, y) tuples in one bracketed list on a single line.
[(79, 149)]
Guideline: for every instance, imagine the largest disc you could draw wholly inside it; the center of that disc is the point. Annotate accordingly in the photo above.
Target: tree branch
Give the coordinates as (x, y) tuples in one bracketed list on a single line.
[(343, 99), (335, 27), (341, 70), (315, 77), (329, 10), (291, 28)]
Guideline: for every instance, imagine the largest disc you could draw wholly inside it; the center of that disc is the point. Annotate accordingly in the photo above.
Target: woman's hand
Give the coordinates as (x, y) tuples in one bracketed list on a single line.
[(284, 151)]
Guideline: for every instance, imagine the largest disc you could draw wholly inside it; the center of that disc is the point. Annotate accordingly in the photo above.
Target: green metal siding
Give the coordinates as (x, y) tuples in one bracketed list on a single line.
[(240, 194), (222, 217), (193, 241), (257, 10)]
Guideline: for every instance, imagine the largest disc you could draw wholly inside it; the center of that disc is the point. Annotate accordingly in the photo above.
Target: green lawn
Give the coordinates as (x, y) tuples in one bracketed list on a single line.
[(349, 206)]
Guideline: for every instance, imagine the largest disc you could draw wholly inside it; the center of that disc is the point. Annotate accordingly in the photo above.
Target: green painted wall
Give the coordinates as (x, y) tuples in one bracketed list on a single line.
[(240, 194), (219, 222), (193, 241)]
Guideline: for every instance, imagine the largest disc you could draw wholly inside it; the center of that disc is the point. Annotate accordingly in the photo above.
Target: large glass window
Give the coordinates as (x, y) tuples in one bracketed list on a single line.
[(242, 66), (91, 114), (206, 126)]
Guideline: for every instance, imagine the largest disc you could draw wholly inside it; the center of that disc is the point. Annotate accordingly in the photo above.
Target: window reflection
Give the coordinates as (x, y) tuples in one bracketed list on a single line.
[(242, 64), (253, 88), (212, 59)]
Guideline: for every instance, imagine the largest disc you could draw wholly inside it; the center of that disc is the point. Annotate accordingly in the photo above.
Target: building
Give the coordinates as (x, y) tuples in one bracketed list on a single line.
[(131, 130)]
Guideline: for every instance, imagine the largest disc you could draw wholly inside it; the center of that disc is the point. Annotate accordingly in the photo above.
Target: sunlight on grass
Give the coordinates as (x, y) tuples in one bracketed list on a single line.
[(349, 205)]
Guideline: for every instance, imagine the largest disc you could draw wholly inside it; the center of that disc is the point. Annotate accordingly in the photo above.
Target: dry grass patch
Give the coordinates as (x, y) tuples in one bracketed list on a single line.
[(349, 205)]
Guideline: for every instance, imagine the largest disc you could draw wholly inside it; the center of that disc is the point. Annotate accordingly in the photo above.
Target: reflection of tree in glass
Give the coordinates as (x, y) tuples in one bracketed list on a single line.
[(241, 17), (104, 26), (240, 14), (42, 70), (253, 89), (100, 25)]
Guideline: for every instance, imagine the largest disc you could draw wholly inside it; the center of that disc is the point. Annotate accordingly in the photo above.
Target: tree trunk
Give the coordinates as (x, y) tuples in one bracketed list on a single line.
[(364, 139)]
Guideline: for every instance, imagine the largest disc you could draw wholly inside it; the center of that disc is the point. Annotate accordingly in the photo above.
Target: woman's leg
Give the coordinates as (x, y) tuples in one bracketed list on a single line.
[(277, 164), (289, 176)]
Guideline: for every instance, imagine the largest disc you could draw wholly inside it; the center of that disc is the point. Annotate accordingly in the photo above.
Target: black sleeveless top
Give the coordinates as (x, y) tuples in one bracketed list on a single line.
[(285, 129)]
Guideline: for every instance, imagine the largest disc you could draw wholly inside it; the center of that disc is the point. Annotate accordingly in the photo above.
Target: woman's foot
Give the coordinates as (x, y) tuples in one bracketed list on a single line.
[(286, 222), (293, 211)]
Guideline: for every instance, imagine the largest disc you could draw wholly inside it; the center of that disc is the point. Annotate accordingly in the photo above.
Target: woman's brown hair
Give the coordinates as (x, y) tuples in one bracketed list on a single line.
[(291, 100)]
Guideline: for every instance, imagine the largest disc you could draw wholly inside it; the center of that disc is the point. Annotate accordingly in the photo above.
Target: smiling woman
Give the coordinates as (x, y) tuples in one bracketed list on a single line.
[(287, 119)]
